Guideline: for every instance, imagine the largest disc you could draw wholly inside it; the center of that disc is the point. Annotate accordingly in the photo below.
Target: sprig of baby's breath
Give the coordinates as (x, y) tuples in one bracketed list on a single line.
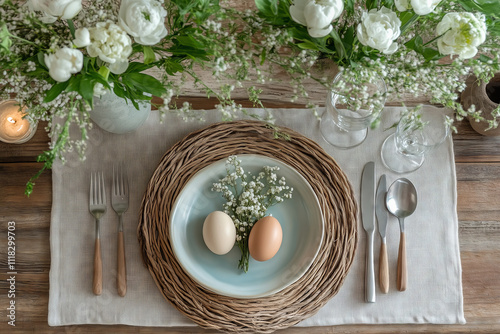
[(248, 197)]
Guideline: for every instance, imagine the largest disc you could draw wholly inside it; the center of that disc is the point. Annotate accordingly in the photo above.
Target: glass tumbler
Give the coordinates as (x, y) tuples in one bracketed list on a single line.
[(350, 109), (417, 132)]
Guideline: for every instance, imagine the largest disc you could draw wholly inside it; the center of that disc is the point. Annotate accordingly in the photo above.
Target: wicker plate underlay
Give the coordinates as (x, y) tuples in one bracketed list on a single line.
[(296, 302)]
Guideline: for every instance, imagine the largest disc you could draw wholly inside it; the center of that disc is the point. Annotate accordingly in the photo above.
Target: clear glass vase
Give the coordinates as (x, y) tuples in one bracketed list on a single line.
[(351, 107)]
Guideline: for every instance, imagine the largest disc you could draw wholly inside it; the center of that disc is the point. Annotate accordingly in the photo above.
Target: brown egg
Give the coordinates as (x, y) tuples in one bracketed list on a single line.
[(265, 238)]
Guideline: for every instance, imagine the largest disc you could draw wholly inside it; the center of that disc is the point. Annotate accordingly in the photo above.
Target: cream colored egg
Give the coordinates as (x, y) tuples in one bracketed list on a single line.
[(265, 238), (219, 232)]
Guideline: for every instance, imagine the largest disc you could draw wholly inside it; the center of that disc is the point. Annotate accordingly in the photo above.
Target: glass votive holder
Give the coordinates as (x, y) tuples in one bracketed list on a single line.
[(16, 127)]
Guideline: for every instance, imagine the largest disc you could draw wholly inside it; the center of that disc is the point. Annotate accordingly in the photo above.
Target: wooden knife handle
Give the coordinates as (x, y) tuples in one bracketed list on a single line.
[(402, 271), (97, 282), (383, 269), (121, 277)]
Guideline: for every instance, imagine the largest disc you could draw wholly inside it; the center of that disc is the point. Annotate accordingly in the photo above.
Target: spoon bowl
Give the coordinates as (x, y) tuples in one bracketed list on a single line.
[(401, 201)]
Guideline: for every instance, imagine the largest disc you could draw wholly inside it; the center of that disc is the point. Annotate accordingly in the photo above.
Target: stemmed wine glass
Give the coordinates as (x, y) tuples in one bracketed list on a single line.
[(417, 132), (351, 106)]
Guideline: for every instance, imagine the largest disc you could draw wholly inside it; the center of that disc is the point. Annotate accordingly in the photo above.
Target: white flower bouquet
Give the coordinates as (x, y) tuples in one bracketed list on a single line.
[(56, 55), (419, 47)]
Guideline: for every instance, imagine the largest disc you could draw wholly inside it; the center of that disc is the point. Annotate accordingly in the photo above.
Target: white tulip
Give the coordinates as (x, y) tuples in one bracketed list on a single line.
[(317, 15), (63, 63), (111, 44), (82, 37), (144, 20), (379, 29), (461, 34), (420, 7), (54, 9)]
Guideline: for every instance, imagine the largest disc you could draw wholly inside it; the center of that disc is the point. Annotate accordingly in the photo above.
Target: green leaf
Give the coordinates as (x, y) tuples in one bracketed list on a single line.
[(54, 92), (137, 67), (370, 4), (41, 60), (416, 44), (308, 45), (190, 41), (6, 42), (172, 66), (263, 57), (144, 83), (300, 34), (348, 41), (431, 54), (273, 11), (339, 45), (349, 6), (485, 58), (407, 19), (74, 83), (494, 28), (149, 54), (189, 52), (488, 7), (71, 26), (87, 89), (118, 90)]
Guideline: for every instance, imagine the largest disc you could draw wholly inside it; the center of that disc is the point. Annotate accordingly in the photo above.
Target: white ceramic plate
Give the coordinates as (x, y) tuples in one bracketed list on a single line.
[(300, 218)]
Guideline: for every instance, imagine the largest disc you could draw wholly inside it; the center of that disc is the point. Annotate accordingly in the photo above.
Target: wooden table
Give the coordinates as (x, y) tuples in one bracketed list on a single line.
[(478, 173)]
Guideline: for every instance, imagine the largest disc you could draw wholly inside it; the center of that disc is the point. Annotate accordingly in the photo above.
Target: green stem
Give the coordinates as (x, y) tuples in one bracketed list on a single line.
[(24, 40)]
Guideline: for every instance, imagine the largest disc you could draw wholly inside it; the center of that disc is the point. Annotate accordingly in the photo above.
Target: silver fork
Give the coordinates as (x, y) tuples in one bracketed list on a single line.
[(119, 202), (97, 207)]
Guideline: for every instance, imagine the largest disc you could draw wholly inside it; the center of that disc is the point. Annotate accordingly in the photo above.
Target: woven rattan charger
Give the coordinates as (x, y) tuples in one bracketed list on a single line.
[(296, 302)]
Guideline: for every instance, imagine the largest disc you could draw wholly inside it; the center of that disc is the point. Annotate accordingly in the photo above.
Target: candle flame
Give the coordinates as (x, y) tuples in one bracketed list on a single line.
[(10, 119)]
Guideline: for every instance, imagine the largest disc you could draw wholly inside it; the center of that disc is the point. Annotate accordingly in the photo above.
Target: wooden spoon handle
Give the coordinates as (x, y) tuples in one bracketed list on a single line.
[(402, 270), (97, 282), (383, 269), (121, 278)]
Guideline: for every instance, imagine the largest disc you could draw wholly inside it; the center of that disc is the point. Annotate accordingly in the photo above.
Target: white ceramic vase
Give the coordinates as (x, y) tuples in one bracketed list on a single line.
[(113, 114)]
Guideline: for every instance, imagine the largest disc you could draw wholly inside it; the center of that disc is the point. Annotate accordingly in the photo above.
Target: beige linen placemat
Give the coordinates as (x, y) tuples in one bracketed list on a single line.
[(434, 293)]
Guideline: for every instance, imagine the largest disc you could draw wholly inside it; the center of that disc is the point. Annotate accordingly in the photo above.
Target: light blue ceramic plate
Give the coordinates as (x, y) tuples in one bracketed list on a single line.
[(300, 218)]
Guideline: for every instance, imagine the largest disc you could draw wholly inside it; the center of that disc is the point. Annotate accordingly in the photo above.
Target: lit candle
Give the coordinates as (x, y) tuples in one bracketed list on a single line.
[(13, 127)]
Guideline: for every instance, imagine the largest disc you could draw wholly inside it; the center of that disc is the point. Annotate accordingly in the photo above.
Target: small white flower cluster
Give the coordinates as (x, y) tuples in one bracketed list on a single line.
[(248, 196)]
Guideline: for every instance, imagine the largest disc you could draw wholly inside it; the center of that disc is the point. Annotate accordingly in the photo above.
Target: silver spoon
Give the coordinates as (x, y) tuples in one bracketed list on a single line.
[(401, 201)]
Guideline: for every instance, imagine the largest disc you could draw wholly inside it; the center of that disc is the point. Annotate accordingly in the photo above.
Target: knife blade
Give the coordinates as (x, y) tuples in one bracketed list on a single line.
[(381, 213), (368, 218)]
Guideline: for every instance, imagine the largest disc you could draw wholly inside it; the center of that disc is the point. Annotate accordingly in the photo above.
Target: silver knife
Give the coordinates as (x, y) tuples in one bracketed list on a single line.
[(381, 213), (368, 218)]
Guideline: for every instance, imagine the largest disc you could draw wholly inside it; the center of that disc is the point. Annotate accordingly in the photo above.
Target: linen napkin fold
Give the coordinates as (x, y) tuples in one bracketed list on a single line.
[(434, 293)]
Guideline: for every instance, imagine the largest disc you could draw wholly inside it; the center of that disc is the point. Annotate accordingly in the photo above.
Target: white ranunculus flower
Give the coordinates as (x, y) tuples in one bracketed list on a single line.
[(144, 20), (82, 37), (461, 34), (54, 9), (420, 7), (316, 15), (63, 63), (378, 29), (111, 44)]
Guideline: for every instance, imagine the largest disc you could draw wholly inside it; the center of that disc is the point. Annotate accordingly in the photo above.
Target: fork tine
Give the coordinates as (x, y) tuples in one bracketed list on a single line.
[(102, 190), (91, 193), (120, 184), (116, 185), (124, 181)]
